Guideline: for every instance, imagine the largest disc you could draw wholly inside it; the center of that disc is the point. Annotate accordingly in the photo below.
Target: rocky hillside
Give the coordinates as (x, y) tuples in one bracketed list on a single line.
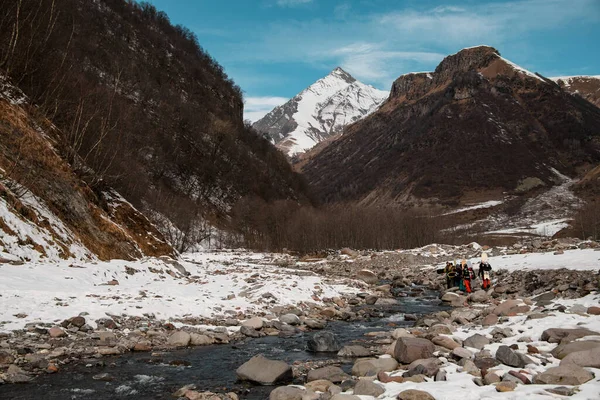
[(587, 87), (319, 112), (475, 128), (47, 212), (142, 107)]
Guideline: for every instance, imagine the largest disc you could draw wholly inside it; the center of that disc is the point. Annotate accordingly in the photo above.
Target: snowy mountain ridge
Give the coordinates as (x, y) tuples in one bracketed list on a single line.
[(320, 111)]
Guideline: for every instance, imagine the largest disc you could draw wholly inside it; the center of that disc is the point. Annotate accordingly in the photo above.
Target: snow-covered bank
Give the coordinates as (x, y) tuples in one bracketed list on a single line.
[(209, 285)]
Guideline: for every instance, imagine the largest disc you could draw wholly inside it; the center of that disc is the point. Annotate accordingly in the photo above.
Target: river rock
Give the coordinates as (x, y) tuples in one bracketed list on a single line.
[(593, 310), (413, 394), (319, 385), (200, 340), (569, 374), (6, 358), (490, 320), (287, 393), (506, 386), (290, 319), (315, 323), (179, 339), (329, 373), (254, 323), (354, 351), (367, 276), (454, 299), (521, 377), (401, 332), (249, 331), (509, 357), (558, 335), (429, 367), (365, 387), (587, 358), (479, 296), (264, 371), (384, 301), (15, 374), (441, 329), (564, 349), (505, 307), (461, 352), (371, 300), (342, 396), (371, 367), (56, 332), (476, 341), (491, 378), (445, 342), (408, 350), (323, 342)]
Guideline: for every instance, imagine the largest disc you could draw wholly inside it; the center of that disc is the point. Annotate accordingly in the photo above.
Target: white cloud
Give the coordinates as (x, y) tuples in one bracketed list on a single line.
[(257, 107)]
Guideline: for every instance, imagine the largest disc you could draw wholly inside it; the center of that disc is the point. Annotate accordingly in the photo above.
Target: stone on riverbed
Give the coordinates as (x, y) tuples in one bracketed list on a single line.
[(290, 319), (413, 394), (558, 335), (587, 358), (354, 351), (371, 367), (408, 350), (179, 339), (329, 373), (366, 387), (563, 350), (323, 342), (255, 323), (507, 356), (569, 374), (476, 341), (264, 371), (287, 393)]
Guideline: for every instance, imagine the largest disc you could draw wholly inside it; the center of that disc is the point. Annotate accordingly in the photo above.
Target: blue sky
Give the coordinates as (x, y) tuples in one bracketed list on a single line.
[(275, 48)]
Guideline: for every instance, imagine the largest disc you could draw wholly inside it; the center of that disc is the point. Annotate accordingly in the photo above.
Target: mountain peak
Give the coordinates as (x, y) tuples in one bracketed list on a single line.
[(339, 72)]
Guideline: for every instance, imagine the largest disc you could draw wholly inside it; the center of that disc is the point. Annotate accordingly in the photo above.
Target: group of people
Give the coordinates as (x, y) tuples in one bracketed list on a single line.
[(461, 274)]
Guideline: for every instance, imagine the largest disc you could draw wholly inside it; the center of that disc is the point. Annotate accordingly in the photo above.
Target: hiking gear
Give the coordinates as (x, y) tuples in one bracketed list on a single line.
[(468, 286)]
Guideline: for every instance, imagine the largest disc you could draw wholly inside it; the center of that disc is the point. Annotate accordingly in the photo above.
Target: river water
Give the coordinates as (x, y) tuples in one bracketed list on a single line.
[(142, 376)]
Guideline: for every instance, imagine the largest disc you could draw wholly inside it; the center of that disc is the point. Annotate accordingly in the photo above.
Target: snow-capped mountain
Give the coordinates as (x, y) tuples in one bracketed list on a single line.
[(320, 111), (586, 86)]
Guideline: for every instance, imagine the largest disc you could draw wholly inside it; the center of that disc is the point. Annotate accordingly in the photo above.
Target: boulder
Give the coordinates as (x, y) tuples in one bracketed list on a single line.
[(485, 363), (200, 340), (319, 385), (408, 350), (367, 276), (401, 332), (323, 342), (454, 299), (329, 373), (593, 310), (506, 386), (413, 394), (476, 341), (179, 339), (490, 320), (249, 331), (558, 335), (587, 358), (504, 308), (315, 323), (491, 378), (78, 321), (6, 358), (371, 300), (521, 377), (264, 371), (287, 393), (479, 296), (345, 397), (384, 301), (56, 332), (445, 342), (365, 387), (254, 323), (371, 367), (569, 374), (564, 349), (354, 351), (461, 352), (290, 319), (441, 329), (428, 367), (509, 357)]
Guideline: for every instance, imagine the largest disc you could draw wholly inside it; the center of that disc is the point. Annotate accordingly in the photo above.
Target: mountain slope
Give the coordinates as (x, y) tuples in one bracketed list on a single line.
[(477, 124), (319, 112), (587, 87), (142, 107), (46, 211)]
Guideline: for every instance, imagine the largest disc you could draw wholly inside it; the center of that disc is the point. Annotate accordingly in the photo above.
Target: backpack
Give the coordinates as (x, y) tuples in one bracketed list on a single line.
[(471, 273), (486, 267)]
